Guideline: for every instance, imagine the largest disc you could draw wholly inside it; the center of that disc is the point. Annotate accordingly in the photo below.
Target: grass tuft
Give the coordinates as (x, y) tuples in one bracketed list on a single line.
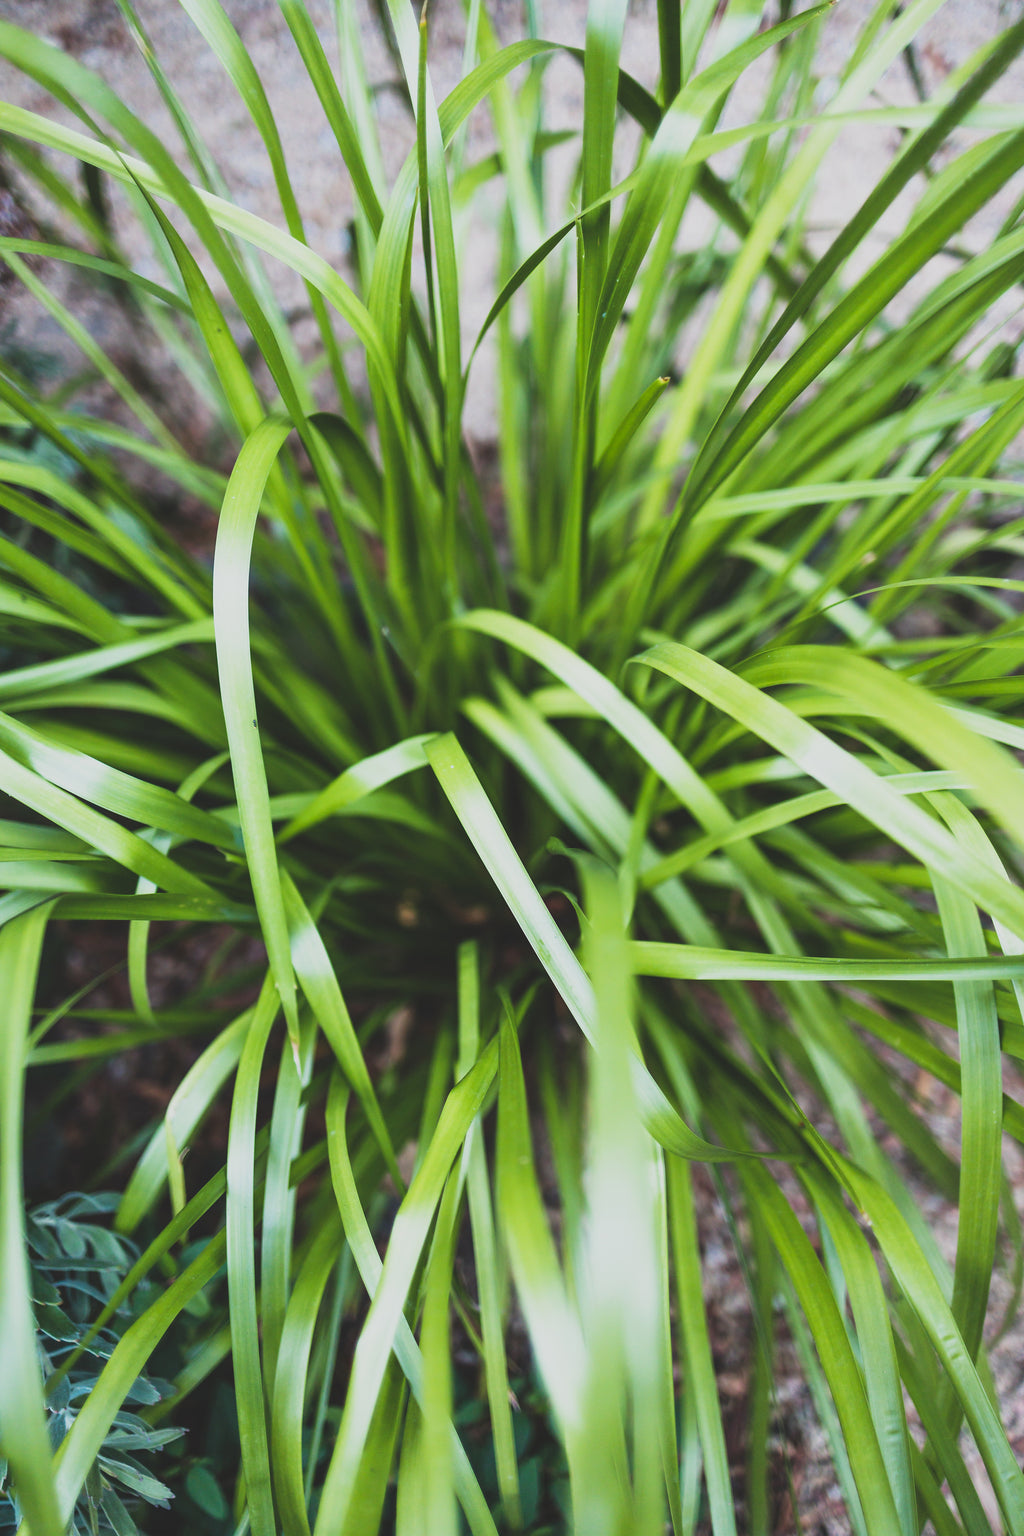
[(623, 808)]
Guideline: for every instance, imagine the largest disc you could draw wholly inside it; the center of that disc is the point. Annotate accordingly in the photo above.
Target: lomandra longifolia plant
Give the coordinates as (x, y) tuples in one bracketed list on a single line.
[(640, 791)]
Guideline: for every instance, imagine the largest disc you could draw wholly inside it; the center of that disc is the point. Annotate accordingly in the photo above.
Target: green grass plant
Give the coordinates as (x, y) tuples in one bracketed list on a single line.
[(653, 800)]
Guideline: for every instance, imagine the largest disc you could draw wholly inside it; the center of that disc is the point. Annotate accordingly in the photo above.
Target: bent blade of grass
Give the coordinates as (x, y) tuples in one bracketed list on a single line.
[(700, 1371), (620, 1288), (157, 908), (240, 392), (485, 1255), (981, 1078), (834, 1350), (277, 1223), (606, 20), (319, 982), (459, 782), (408, 1236), (241, 1262), (151, 556), (234, 664), (361, 779), (185, 1108), (603, 696), (207, 211), (995, 779), (138, 930), (888, 277), (368, 1262), (94, 354), (912, 159), (438, 1509), (667, 1428), (910, 710), (331, 100), (124, 847), (435, 196), (392, 1414), (944, 1462), (876, 1347), (105, 658), (659, 173), (692, 962), (491, 841), (757, 876), (580, 797), (212, 21), (495, 1360), (23, 1434), (112, 269), (289, 1383), (604, 28), (109, 788), (781, 815), (915, 1279), (558, 1344), (746, 269)]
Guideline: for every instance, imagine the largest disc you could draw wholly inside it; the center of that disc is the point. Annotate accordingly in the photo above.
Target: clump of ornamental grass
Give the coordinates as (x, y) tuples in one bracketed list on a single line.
[(654, 802)]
